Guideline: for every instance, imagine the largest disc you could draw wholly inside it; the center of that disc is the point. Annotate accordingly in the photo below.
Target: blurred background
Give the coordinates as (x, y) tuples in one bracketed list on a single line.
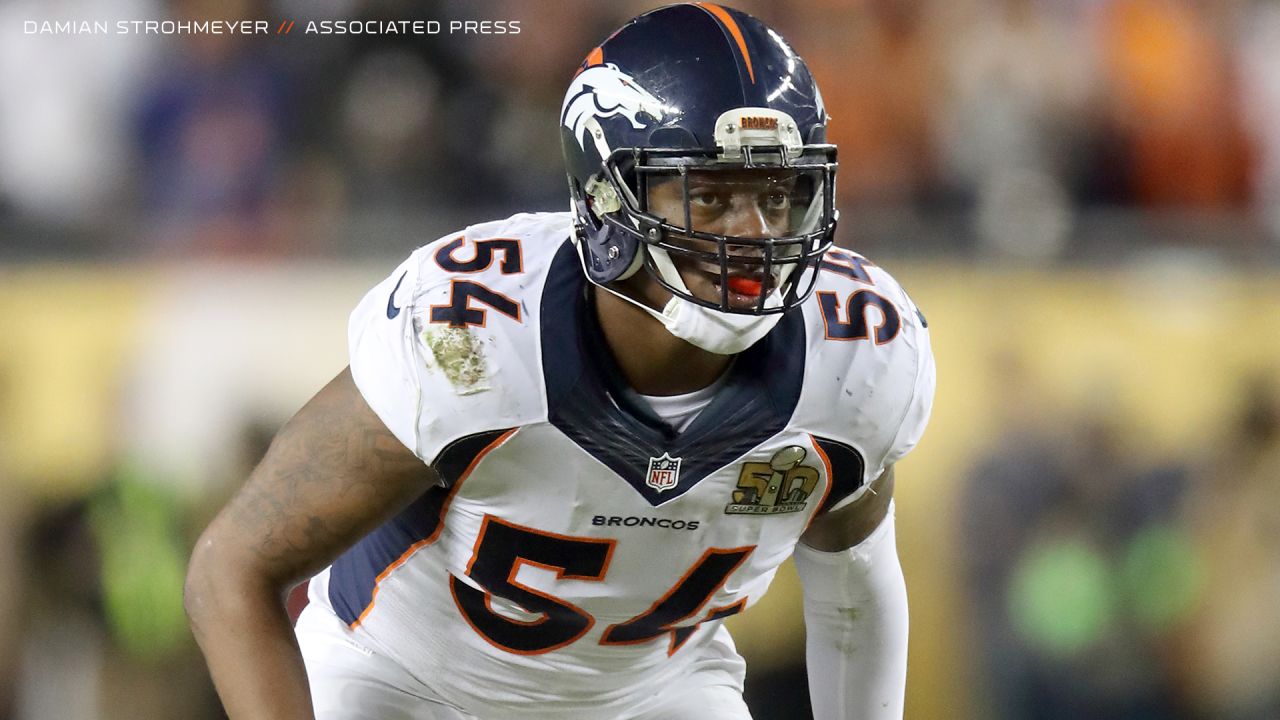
[(1082, 195)]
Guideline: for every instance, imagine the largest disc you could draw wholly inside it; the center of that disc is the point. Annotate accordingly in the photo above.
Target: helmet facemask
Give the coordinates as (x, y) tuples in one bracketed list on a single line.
[(666, 196)]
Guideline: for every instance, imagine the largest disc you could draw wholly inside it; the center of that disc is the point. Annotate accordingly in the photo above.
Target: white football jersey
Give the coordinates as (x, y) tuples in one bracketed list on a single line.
[(579, 554)]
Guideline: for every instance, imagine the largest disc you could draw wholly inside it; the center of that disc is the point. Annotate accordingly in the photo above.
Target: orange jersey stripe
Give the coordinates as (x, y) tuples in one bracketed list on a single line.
[(732, 26), (831, 480)]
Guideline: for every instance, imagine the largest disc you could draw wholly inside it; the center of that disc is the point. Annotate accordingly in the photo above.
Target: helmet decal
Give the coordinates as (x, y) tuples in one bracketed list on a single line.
[(731, 25), (603, 91)]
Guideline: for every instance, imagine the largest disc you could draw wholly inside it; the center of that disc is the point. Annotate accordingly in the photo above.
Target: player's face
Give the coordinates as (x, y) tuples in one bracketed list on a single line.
[(741, 203)]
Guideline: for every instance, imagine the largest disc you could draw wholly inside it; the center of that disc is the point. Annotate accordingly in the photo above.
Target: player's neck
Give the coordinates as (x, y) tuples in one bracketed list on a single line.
[(652, 360)]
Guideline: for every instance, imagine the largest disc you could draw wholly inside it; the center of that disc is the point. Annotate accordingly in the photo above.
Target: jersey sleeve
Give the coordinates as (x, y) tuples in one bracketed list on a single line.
[(433, 380), (919, 407), (889, 392), (385, 355)]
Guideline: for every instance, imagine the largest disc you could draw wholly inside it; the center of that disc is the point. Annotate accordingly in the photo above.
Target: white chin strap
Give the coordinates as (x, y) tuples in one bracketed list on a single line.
[(717, 332), (714, 331)]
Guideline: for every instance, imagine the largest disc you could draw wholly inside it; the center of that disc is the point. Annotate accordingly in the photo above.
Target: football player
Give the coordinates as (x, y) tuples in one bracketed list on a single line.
[(569, 445)]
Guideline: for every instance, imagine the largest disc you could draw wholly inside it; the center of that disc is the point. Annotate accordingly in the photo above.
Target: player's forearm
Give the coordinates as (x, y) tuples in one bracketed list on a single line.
[(242, 627), (856, 627)]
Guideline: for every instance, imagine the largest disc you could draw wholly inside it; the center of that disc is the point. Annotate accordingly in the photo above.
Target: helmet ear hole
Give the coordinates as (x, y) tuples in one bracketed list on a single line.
[(580, 204)]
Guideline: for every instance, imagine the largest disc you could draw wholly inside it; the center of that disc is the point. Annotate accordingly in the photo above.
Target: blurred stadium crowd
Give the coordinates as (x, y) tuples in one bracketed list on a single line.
[(1014, 126), (1084, 195)]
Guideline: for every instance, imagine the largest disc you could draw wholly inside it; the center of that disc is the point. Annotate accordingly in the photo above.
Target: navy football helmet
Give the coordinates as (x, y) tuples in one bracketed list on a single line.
[(693, 90)]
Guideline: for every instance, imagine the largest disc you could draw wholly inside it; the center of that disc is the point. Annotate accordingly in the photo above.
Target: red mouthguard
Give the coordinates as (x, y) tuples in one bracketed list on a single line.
[(745, 286)]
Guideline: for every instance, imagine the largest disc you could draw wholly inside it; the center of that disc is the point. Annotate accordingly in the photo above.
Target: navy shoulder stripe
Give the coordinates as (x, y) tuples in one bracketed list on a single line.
[(847, 468)]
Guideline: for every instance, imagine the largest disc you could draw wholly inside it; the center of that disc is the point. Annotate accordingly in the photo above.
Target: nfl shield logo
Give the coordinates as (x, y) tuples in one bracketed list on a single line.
[(664, 472)]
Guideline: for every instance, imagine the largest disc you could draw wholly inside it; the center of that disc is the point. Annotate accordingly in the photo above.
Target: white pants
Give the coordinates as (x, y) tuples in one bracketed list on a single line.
[(352, 682)]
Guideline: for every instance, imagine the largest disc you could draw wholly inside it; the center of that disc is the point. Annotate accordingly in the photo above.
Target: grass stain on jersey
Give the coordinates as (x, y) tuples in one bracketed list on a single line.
[(460, 357)]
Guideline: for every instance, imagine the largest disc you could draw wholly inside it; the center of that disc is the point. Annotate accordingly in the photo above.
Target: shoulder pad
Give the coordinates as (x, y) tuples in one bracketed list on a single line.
[(446, 346)]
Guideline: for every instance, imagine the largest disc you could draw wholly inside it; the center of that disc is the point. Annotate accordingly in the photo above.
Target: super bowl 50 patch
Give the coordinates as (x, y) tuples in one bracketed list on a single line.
[(781, 485)]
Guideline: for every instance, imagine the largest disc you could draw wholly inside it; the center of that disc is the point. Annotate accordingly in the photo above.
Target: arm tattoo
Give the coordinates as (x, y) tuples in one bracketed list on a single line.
[(332, 474)]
